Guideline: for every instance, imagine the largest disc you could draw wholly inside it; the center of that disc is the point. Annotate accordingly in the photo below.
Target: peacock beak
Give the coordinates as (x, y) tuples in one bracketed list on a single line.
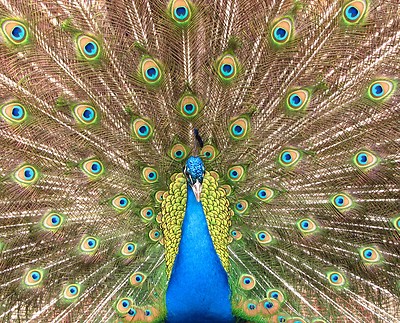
[(196, 187)]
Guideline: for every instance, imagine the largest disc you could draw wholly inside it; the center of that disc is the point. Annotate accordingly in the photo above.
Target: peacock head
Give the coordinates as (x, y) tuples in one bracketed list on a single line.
[(194, 171)]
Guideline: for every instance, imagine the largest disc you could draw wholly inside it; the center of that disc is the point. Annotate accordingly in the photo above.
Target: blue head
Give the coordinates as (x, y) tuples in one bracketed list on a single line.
[(194, 171)]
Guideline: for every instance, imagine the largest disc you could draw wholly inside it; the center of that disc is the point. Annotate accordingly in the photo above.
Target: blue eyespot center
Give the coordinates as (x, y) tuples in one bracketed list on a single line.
[(262, 236), (96, 168), (239, 206), (17, 112), (377, 90), (144, 130), (138, 278), (123, 201), (234, 233), (181, 13), (188, 108), (156, 234), (88, 114), (247, 281), (130, 247), (295, 100), (251, 306), (234, 174), (147, 313), (368, 253), (274, 295), (262, 194), (90, 49), (280, 34), (91, 243), (286, 157), (18, 33), (305, 224), (73, 290), (227, 69), (132, 312), (335, 277), (238, 130), (125, 304), (152, 73), (339, 200), (178, 153), (55, 219), (362, 158), (352, 13), (268, 305), (207, 154), (29, 173), (152, 175), (35, 275)]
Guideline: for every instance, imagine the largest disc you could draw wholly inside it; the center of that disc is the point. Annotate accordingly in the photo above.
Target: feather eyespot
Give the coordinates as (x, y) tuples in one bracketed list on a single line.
[(265, 194), (227, 68), (150, 175), (236, 234), (128, 249), (239, 128), (132, 312), (93, 168), (336, 279), (120, 203), (123, 305), (380, 90), (289, 157), (306, 226), (208, 152), (14, 31), (33, 277), (189, 106), (342, 201), (264, 237), (155, 235), (147, 213), (269, 306), (178, 152), (297, 100), (89, 244), (247, 282), (159, 196), (26, 175), (370, 255), (276, 294), (88, 47), (236, 173), (85, 114), (282, 31), (137, 279), (354, 11), (53, 221), (142, 129), (151, 71), (180, 11), (241, 207), (14, 113), (72, 291), (365, 160)]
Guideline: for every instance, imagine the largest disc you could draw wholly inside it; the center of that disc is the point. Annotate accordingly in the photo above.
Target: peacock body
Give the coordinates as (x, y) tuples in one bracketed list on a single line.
[(283, 115)]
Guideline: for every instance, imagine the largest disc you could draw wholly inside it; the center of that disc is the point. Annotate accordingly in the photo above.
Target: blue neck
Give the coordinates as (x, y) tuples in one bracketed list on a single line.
[(198, 290)]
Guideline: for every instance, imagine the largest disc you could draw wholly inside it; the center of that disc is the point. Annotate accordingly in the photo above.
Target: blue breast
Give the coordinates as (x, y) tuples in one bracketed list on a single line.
[(198, 290)]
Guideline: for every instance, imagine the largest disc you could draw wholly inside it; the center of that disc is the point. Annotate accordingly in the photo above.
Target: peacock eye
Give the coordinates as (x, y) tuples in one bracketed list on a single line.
[(142, 129), (370, 255), (14, 31), (336, 278), (159, 196), (380, 90), (227, 67), (147, 313), (236, 234), (265, 194), (150, 175), (151, 71), (33, 277), (88, 47), (128, 249), (188, 106), (263, 237), (241, 207), (365, 160), (276, 294), (52, 221), (180, 11), (208, 152), (251, 306), (236, 173), (247, 282), (354, 11), (297, 100), (147, 213), (178, 152), (14, 113), (239, 128), (306, 225), (120, 203), (85, 114), (26, 175), (136, 279), (289, 157), (282, 31), (89, 244), (342, 201), (155, 235), (123, 305), (93, 168), (71, 291), (132, 312)]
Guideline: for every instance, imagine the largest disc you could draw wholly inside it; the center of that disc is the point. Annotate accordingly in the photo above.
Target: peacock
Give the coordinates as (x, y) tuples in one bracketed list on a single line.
[(200, 161)]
